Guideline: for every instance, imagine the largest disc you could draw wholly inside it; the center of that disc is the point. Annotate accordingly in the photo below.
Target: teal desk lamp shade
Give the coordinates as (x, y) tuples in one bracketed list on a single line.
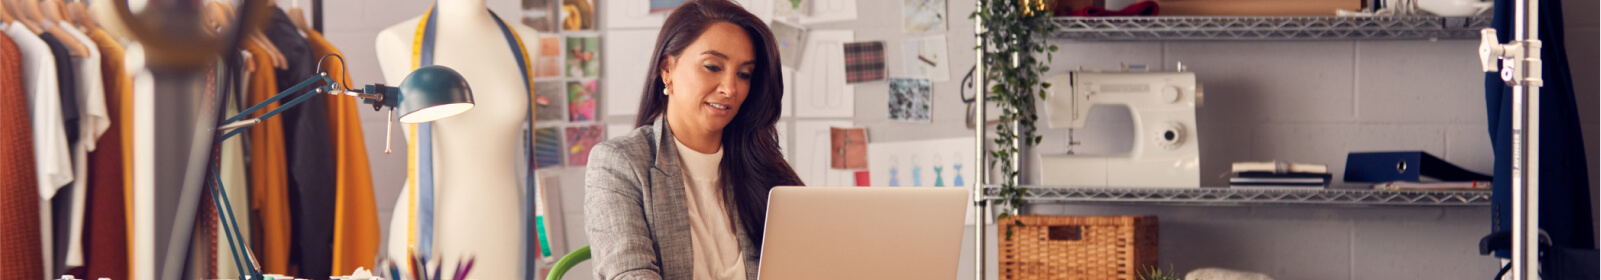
[(431, 93)]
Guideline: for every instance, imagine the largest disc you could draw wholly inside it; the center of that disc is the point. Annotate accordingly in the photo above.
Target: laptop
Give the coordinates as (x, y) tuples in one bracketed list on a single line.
[(863, 233)]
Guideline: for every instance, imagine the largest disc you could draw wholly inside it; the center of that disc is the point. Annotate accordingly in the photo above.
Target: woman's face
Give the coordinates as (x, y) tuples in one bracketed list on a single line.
[(709, 79)]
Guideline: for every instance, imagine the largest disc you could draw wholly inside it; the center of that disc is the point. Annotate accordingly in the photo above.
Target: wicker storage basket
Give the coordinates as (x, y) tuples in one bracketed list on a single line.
[(1073, 247)]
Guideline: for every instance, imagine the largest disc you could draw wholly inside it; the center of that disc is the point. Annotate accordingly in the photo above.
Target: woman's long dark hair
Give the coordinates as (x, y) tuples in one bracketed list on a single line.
[(752, 163)]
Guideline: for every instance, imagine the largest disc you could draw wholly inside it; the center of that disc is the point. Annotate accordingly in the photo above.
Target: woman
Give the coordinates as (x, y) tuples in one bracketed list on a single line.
[(684, 195)]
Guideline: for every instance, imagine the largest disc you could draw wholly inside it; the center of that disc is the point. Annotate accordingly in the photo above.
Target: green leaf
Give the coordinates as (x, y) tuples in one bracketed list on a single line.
[(1053, 48)]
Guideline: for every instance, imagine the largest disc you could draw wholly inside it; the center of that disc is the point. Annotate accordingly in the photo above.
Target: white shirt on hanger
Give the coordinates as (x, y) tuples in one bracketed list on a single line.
[(44, 105), (92, 98)]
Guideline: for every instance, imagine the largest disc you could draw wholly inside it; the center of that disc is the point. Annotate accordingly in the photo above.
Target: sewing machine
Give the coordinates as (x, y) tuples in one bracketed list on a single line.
[(1165, 152)]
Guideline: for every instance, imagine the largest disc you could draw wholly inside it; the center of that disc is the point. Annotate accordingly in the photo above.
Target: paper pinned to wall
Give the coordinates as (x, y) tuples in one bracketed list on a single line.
[(820, 11), (924, 15), (926, 58), (637, 14), (820, 88), (812, 145), (791, 40), (628, 56), (948, 162)]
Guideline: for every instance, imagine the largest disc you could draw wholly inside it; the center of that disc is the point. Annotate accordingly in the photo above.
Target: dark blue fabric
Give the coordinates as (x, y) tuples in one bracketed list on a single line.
[(1564, 182)]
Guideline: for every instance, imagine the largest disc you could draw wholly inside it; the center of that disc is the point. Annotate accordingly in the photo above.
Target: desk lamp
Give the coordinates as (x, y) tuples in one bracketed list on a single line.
[(427, 94)]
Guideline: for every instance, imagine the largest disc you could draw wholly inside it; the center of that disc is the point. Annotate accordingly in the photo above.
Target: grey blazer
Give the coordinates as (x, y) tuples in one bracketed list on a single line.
[(636, 212)]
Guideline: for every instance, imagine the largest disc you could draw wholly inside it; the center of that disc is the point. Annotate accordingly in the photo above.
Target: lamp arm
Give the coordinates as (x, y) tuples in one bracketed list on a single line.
[(236, 124)]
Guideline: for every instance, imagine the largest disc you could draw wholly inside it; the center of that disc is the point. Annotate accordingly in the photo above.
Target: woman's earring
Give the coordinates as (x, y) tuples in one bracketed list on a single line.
[(667, 91)]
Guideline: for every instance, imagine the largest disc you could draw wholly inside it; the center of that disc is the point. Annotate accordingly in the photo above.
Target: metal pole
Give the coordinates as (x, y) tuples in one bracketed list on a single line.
[(1526, 143), (982, 169), (316, 16)]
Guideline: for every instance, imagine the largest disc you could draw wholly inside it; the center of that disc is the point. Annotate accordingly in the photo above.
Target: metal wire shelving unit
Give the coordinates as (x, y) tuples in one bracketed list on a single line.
[(1303, 28), (1268, 28), (1237, 197)]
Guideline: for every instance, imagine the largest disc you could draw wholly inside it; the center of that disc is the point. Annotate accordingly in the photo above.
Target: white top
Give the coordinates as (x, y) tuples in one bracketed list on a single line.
[(715, 247), (44, 105), (92, 98)]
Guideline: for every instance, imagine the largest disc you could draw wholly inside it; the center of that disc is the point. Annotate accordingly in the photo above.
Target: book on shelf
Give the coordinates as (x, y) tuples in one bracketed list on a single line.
[(1258, 179), (1278, 167), (1278, 187)]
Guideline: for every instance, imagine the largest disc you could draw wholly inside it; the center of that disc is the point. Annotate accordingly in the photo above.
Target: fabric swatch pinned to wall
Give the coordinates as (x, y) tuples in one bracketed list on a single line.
[(848, 148), (910, 100), (864, 61)]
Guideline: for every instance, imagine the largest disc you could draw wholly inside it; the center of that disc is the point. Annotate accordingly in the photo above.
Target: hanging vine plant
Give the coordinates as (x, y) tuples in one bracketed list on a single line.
[(1014, 31)]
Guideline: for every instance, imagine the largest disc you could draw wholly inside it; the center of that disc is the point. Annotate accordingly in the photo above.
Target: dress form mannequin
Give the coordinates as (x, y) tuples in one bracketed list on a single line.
[(477, 192)]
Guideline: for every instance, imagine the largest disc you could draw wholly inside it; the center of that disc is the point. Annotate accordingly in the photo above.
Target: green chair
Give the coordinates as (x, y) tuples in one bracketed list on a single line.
[(568, 262)]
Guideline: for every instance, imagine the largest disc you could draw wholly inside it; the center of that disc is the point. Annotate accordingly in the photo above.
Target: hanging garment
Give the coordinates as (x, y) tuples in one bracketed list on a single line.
[(1564, 171), (19, 186), (67, 88), (95, 122), (53, 164), (419, 155), (56, 215), (115, 56), (235, 180), (270, 225), (356, 229), (310, 154), (105, 234)]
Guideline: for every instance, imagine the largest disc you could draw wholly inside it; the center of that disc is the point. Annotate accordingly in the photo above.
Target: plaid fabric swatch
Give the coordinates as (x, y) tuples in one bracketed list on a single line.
[(864, 61)]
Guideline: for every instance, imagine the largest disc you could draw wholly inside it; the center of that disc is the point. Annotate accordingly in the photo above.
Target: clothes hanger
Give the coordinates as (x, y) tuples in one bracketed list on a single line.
[(21, 11), (297, 16), (214, 18), (50, 11), (278, 60), (255, 35), (5, 15), (55, 10), (78, 12)]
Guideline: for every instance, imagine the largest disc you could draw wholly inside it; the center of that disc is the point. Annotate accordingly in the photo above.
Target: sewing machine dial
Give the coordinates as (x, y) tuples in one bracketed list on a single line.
[(1171, 136)]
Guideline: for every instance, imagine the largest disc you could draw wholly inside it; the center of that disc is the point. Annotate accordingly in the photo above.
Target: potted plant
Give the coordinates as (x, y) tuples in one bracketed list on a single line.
[(1014, 35)]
